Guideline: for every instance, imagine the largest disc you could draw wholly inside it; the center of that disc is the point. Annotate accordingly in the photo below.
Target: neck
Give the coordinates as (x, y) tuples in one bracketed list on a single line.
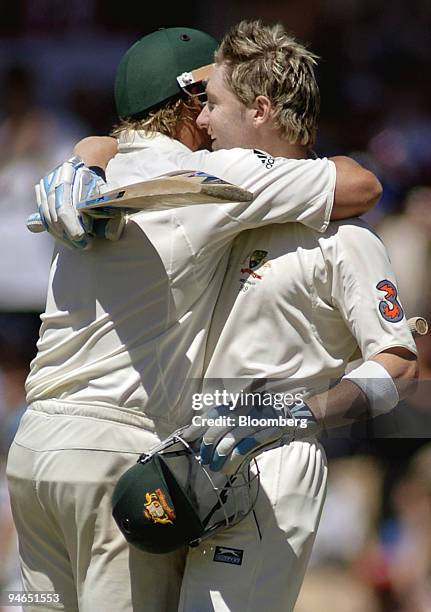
[(277, 146)]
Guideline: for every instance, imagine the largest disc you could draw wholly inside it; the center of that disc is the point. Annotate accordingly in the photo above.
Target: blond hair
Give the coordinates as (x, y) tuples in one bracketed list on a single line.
[(265, 60), (166, 120)]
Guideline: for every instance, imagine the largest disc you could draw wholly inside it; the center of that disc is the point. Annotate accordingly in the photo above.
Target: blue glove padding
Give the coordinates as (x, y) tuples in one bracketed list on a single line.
[(242, 433), (58, 194)]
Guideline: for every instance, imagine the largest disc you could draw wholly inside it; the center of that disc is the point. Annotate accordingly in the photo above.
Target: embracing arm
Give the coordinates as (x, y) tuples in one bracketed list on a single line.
[(284, 193), (96, 150), (363, 289), (356, 264), (356, 190), (226, 442), (357, 398)]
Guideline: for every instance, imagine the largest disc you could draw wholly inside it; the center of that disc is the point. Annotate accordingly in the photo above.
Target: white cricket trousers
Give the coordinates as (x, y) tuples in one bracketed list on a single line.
[(62, 468)]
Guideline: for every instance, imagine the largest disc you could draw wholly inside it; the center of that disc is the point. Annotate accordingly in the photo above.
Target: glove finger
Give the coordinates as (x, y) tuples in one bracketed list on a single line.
[(229, 459), (257, 415), (51, 181), (58, 197), (76, 182), (89, 183), (39, 216), (86, 185), (214, 433), (43, 191), (193, 432), (67, 215), (64, 198), (38, 193), (49, 212), (53, 198), (67, 172), (200, 426), (218, 441)]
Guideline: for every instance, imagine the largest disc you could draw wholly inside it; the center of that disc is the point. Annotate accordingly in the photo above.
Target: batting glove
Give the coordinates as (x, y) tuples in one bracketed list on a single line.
[(231, 437), (58, 194)]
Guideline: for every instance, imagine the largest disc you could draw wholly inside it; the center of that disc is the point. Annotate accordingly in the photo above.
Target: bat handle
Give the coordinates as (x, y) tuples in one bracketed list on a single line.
[(418, 326), (35, 223)]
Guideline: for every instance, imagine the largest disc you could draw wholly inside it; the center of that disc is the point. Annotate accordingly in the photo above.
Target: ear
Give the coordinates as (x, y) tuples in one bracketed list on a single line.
[(262, 110)]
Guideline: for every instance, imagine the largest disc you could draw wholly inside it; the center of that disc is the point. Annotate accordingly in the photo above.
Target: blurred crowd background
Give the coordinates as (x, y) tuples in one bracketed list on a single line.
[(57, 65)]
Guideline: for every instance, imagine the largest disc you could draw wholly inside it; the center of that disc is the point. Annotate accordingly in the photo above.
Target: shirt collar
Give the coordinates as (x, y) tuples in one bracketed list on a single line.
[(138, 139)]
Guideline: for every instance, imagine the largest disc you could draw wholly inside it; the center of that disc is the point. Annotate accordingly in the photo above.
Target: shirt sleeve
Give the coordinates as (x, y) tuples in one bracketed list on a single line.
[(285, 190), (364, 288)]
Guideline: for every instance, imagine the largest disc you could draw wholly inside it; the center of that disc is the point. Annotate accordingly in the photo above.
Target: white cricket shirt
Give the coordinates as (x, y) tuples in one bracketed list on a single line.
[(126, 322), (295, 304)]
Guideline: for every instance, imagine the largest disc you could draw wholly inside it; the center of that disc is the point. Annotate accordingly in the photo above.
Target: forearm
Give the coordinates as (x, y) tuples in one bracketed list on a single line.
[(347, 403), (342, 405), (356, 191), (403, 367)]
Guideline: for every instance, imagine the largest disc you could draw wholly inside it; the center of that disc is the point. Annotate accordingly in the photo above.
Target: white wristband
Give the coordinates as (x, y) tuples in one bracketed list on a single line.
[(377, 384)]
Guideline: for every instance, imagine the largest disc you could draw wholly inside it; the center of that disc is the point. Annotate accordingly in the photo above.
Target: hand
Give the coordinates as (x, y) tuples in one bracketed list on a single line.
[(231, 437), (58, 194)]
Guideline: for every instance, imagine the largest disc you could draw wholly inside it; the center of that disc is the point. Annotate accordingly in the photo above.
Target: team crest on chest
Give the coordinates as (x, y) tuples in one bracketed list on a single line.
[(157, 508), (256, 259)]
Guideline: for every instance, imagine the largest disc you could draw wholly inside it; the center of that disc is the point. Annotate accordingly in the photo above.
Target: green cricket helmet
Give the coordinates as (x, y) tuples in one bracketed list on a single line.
[(160, 508), (158, 67)]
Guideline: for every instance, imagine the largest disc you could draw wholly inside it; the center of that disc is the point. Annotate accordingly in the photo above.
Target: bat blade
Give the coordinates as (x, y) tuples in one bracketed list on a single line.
[(171, 191)]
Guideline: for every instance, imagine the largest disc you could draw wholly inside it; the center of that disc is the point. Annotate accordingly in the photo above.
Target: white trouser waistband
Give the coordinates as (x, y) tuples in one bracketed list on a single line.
[(106, 413)]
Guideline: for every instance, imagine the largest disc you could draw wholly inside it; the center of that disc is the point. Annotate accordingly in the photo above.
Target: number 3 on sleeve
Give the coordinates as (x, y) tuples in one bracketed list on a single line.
[(389, 307)]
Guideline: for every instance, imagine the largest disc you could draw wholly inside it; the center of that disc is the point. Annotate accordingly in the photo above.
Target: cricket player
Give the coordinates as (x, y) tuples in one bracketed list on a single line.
[(125, 327), (293, 307)]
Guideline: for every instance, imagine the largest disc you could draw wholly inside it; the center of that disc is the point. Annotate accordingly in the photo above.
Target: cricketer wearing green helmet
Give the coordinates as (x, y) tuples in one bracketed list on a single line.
[(159, 89), (125, 331), (160, 84), (142, 86)]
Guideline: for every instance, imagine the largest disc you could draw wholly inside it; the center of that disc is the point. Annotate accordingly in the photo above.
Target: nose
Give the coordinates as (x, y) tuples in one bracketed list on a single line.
[(202, 119)]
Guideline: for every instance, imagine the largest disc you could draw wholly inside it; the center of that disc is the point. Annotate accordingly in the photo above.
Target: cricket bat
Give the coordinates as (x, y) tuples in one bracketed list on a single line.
[(171, 191)]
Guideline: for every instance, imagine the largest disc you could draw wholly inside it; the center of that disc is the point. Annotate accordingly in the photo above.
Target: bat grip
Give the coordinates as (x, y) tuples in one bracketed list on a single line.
[(418, 326)]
